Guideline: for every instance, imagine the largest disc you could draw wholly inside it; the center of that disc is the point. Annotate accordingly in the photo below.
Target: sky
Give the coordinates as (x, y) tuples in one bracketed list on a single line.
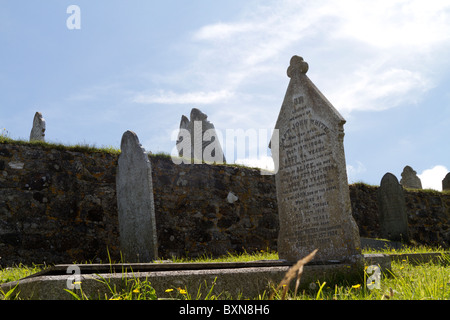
[(136, 65)]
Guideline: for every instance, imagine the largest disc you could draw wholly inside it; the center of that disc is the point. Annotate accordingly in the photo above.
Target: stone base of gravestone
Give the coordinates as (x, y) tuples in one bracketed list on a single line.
[(392, 209), (312, 187), (135, 204)]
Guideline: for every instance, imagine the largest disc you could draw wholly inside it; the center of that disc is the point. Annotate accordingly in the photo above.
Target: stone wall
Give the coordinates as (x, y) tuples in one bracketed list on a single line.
[(428, 214), (58, 205)]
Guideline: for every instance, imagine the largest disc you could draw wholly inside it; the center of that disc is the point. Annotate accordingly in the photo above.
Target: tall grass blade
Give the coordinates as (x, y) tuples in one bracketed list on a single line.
[(294, 272)]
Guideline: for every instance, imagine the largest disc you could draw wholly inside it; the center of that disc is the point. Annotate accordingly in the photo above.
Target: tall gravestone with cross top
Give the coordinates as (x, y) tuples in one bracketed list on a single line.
[(312, 187)]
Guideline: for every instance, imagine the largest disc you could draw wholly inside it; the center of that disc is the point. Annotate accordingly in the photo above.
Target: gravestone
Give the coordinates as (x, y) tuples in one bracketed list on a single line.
[(38, 130), (446, 182), (312, 188), (392, 209), (137, 226), (198, 140), (410, 179)]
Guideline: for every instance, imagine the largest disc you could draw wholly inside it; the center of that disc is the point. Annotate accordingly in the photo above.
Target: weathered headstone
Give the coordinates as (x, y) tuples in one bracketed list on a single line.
[(312, 187), (410, 179), (446, 182), (392, 209), (198, 140), (135, 204), (38, 130)]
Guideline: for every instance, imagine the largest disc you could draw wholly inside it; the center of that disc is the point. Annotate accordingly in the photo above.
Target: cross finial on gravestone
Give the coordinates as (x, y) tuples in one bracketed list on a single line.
[(297, 64)]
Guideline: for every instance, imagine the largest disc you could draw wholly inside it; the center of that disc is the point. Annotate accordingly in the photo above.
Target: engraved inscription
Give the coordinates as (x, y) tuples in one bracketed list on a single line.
[(308, 170)]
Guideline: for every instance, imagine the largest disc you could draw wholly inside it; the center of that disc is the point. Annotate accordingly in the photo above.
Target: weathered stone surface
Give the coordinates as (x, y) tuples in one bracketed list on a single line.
[(391, 203), (135, 204), (194, 214), (60, 206), (410, 179), (38, 130), (312, 189), (446, 182), (198, 140)]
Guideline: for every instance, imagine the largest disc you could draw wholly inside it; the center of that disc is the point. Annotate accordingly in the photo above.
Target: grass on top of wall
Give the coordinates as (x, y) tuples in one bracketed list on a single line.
[(88, 148)]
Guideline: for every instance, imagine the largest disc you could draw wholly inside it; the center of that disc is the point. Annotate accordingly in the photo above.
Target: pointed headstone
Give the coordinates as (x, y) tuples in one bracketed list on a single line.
[(38, 130), (410, 179), (198, 139), (312, 187), (135, 204), (392, 209)]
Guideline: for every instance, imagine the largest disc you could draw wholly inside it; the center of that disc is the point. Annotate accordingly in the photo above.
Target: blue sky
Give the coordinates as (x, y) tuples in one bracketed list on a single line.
[(140, 65)]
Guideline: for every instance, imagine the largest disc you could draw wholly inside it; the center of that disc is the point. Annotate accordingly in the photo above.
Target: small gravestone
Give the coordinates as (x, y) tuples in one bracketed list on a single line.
[(137, 226), (446, 182), (410, 179), (312, 187), (38, 130), (392, 209), (198, 140)]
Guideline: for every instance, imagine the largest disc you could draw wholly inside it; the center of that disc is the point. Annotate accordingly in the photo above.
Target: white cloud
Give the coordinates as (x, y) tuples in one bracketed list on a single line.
[(170, 97), (354, 171), (387, 24), (376, 90), (387, 48), (263, 162), (432, 178), (222, 31)]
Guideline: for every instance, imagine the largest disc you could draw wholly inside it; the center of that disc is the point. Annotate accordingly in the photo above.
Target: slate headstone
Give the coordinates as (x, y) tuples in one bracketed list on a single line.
[(135, 204), (446, 182), (198, 139), (312, 187), (392, 209), (410, 179), (38, 130)]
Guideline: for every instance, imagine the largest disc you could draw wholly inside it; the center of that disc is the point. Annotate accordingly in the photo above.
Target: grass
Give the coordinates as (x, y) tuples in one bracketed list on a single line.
[(406, 281), (430, 281), (407, 249), (18, 272), (87, 148), (80, 147), (231, 257)]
